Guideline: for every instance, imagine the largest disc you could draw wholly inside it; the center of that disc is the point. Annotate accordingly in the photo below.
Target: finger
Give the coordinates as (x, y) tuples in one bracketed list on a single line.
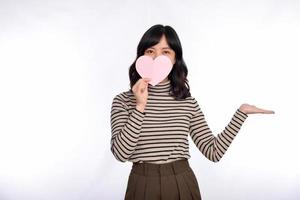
[(142, 86), (269, 112), (140, 83), (264, 111), (136, 85), (147, 79)]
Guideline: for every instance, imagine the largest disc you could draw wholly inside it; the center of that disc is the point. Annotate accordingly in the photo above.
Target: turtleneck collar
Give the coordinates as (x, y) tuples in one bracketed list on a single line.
[(160, 87)]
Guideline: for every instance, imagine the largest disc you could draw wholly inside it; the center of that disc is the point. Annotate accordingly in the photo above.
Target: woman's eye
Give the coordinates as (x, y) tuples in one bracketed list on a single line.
[(149, 51), (167, 52)]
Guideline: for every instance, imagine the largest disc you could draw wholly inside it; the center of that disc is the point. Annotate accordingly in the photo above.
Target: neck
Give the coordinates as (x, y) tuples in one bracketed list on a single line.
[(163, 86)]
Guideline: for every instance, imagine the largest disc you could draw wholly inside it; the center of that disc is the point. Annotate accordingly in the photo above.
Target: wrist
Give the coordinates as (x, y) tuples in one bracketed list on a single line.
[(140, 107), (243, 111)]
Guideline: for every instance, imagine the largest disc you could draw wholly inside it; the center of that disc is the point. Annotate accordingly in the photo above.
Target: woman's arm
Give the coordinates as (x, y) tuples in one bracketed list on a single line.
[(214, 147), (125, 128)]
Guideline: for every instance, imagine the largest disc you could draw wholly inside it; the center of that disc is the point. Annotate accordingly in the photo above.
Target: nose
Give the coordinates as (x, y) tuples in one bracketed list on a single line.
[(157, 54)]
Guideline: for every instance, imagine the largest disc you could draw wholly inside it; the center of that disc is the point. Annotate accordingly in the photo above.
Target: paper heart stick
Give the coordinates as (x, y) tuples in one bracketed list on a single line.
[(157, 69)]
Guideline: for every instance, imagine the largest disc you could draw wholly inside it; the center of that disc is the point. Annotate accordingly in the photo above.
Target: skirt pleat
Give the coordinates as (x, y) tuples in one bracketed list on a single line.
[(170, 181)]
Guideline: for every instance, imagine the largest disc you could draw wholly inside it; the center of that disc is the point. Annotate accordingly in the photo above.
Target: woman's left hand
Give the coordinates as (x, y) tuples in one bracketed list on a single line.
[(251, 109)]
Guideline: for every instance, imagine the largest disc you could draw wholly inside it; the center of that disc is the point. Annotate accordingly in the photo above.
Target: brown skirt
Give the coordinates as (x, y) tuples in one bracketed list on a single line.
[(170, 181)]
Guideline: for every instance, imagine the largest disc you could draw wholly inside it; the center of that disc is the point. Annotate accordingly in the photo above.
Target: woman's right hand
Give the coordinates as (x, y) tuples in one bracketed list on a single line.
[(140, 91)]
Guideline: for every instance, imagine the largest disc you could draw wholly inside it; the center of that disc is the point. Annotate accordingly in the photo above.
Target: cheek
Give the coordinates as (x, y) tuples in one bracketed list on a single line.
[(146, 54), (173, 59)]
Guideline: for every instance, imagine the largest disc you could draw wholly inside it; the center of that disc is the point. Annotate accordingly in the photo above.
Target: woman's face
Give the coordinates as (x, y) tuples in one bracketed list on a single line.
[(161, 48)]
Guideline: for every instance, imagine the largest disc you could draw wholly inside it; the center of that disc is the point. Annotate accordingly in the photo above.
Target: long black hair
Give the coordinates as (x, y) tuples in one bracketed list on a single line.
[(178, 76)]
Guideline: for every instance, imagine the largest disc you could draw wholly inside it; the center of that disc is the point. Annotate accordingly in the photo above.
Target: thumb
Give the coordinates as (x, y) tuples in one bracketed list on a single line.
[(147, 79)]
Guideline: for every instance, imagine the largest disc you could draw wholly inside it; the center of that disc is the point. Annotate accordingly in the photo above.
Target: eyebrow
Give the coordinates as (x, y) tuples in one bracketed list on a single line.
[(162, 48)]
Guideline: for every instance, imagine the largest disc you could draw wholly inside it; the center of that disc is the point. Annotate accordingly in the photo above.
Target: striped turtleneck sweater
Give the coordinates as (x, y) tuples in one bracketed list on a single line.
[(160, 133)]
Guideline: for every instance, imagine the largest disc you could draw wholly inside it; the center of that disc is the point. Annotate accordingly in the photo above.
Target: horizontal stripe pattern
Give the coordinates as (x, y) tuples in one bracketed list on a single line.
[(160, 133)]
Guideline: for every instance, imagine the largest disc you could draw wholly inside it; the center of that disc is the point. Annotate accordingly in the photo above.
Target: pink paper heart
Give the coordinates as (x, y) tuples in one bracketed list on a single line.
[(157, 69)]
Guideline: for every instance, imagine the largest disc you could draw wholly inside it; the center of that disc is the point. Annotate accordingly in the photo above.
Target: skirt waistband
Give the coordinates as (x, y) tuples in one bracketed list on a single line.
[(151, 169)]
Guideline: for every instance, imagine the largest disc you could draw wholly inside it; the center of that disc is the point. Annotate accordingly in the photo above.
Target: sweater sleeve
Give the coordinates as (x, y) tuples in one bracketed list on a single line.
[(213, 147), (125, 129)]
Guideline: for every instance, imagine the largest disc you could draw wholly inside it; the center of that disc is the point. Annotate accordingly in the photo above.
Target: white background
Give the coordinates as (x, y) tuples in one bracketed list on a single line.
[(62, 62)]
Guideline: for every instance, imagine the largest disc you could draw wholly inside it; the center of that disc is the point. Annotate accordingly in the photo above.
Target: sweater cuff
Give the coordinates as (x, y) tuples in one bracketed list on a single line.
[(242, 114), (140, 113)]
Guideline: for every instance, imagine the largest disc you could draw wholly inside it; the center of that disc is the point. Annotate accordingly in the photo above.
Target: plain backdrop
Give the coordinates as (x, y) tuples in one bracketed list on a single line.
[(62, 62)]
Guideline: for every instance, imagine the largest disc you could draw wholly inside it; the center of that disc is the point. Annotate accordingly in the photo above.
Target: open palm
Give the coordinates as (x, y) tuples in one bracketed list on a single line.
[(251, 109)]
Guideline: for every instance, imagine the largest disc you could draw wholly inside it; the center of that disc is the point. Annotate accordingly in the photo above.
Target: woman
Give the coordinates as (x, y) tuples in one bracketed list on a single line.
[(150, 126)]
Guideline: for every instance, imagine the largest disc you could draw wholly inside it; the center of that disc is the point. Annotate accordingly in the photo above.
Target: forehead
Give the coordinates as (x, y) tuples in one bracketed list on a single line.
[(163, 44)]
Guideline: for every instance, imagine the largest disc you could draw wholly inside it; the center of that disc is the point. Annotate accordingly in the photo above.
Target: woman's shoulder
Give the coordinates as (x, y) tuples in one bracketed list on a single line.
[(193, 104), (124, 96), (191, 99)]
